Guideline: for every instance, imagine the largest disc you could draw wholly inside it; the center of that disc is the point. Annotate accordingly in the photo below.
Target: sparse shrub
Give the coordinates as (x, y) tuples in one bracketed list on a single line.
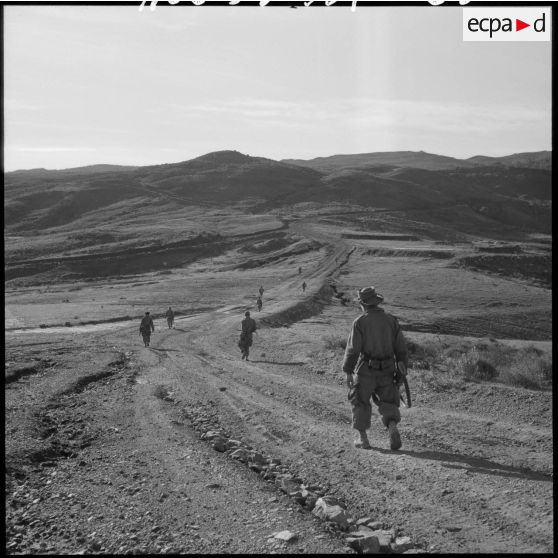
[(450, 365), (423, 355), (485, 370), (334, 343), (473, 368), (161, 392), (529, 371)]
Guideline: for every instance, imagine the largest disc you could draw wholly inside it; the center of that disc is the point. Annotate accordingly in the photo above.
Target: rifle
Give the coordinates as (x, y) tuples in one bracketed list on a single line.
[(401, 374)]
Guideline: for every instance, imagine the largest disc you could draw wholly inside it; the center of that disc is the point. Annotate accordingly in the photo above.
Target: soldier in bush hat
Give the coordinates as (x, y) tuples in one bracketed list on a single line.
[(245, 342), (375, 343)]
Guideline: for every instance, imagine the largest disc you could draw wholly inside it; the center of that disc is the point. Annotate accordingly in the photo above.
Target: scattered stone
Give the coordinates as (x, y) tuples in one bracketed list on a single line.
[(211, 434), (364, 521), (453, 528), (367, 544), (213, 485), (222, 389), (241, 454), (401, 544), (258, 458), (288, 486), (310, 502), (384, 537), (286, 536), (219, 444), (328, 509)]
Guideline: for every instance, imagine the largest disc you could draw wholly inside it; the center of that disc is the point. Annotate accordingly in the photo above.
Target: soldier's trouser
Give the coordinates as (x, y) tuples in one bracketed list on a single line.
[(245, 343), (170, 322), (380, 383), (146, 337)]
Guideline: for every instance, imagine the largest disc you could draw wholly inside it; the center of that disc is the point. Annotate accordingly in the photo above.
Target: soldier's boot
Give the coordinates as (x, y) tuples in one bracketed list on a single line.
[(394, 437), (362, 441)]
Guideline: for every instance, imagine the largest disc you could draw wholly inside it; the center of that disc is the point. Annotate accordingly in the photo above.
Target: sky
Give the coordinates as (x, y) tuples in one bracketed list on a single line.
[(110, 84)]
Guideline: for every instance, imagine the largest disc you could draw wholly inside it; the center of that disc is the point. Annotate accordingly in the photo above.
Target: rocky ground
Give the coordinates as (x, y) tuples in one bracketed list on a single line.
[(182, 447)]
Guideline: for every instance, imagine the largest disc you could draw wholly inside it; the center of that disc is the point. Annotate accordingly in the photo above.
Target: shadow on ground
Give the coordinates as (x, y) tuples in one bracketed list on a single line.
[(474, 464)]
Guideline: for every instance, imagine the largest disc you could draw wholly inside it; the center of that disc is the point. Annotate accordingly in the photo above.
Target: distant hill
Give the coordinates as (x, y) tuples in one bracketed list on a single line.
[(421, 160), (534, 160), (89, 169), (443, 188), (38, 199), (415, 159)]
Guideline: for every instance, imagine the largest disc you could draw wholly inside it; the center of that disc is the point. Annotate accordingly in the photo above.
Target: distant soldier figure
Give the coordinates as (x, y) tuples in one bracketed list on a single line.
[(299, 270), (377, 354), (146, 327), (304, 286), (261, 290), (259, 303), (245, 342), (170, 317)]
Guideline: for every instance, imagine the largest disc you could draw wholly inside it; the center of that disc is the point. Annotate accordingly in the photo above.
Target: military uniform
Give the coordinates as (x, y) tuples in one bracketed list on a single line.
[(146, 327), (248, 328), (170, 317), (374, 344), (259, 303)]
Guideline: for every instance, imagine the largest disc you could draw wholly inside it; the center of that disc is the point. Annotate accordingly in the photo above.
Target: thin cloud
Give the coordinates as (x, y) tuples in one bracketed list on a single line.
[(50, 149), (365, 113)]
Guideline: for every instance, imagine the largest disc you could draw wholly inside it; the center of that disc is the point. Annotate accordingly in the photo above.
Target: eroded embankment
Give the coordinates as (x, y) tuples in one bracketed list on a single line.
[(312, 305), (302, 310), (393, 252)]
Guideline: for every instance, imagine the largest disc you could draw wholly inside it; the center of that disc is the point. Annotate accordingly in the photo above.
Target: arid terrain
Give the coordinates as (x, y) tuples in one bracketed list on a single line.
[(182, 447)]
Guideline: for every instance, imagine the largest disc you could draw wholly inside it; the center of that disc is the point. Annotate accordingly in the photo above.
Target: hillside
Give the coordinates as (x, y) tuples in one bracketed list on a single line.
[(414, 159), (102, 209), (535, 160), (422, 160)]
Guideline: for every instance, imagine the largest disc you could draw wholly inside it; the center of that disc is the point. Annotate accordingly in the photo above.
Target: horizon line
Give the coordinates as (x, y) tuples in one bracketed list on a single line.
[(136, 166)]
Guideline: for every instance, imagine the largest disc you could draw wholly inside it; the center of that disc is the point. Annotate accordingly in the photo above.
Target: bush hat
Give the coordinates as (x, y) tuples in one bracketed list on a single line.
[(369, 296)]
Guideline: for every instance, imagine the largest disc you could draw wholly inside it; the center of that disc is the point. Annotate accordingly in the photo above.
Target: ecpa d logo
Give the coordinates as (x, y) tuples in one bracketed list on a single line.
[(506, 24)]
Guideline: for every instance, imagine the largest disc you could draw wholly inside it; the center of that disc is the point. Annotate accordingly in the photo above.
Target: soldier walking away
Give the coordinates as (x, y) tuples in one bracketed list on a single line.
[(146, 327), (245, 342), (376, 354), (259, 303), (170, 317), (304, 286), (261, 290), (299, 270)]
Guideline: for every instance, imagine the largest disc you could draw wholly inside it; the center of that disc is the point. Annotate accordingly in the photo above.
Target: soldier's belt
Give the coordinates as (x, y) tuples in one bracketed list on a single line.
[(379, 364)]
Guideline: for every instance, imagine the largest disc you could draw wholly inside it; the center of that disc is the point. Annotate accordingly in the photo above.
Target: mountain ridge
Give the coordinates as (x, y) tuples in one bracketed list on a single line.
[(499, 194)]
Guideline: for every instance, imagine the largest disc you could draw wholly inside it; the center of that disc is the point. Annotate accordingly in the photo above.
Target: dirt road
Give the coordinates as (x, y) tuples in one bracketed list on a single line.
[(129, 473)]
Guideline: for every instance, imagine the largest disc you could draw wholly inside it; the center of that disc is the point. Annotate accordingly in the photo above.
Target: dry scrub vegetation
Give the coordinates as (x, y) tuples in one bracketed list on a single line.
[(443, 364), (527, 367)]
